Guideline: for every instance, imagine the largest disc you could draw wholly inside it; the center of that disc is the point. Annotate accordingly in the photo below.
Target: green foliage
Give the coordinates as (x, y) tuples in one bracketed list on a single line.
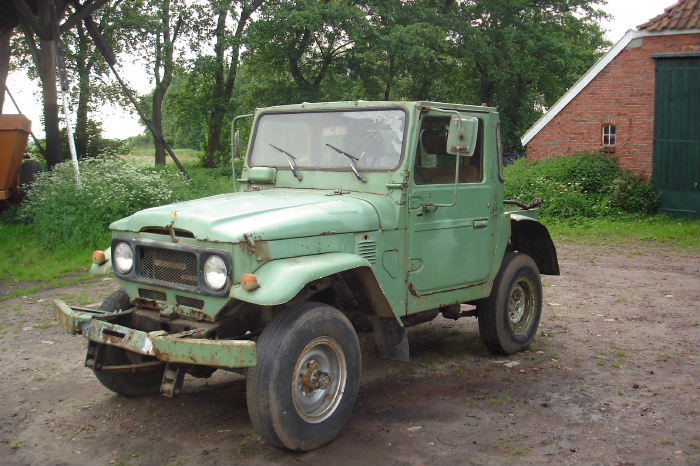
[(633, 195), (95, 146), (24, 258), (111, 189), (580, 185)]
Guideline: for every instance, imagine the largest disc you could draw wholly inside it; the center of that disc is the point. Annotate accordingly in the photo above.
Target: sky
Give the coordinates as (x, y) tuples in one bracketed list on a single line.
[(122, 122)]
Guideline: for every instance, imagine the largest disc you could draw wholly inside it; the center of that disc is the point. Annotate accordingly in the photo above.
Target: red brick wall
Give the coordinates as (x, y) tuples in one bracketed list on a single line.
[(622, 94)]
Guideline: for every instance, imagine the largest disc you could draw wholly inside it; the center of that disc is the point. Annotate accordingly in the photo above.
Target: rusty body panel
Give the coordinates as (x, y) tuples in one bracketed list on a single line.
[(174, 348)]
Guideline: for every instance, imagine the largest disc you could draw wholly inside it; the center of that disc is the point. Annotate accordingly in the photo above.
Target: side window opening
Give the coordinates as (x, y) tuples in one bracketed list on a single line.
[(434, 165), (609, 135)]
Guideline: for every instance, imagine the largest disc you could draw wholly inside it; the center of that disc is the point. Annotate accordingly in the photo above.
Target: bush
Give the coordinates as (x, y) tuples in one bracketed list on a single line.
[(111, 189), (633, 195), (580, 185)]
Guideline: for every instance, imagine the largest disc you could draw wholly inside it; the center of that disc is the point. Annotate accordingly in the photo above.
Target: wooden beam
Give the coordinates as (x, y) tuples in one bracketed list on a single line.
[(26, 15), (4, 64), (83, 11)]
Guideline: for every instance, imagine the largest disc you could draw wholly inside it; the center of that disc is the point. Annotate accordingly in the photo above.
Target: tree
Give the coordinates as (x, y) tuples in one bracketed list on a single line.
[(522, 55), (225, 69), (308, 39), (118, 23)]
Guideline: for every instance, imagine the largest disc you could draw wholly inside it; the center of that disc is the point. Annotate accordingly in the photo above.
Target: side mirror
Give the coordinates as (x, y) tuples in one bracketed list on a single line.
[(461, 139)]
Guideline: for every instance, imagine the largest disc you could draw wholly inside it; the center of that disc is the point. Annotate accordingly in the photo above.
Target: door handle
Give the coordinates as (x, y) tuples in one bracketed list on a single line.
[(481, 223)]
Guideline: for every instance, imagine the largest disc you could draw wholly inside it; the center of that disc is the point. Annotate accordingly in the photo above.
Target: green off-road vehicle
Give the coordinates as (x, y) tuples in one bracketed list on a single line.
[(347, 216)]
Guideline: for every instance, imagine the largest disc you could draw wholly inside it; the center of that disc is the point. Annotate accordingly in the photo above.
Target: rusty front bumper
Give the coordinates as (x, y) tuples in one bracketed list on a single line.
[(176, 348)]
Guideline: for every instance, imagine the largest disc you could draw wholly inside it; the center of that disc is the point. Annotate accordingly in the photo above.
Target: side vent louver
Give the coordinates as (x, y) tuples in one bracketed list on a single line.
[(368, 250)]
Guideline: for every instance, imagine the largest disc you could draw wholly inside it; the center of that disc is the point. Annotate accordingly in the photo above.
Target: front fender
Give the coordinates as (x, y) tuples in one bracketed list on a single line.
[(281, 280)]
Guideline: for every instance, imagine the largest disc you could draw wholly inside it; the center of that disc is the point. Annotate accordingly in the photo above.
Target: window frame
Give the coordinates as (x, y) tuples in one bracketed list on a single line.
[(609, 131)]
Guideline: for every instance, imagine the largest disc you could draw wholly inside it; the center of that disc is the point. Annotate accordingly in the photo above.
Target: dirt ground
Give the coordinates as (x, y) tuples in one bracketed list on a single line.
[(612, 379)]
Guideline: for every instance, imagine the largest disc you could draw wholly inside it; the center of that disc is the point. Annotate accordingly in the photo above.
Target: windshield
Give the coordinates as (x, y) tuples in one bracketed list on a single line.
[(338, 140)]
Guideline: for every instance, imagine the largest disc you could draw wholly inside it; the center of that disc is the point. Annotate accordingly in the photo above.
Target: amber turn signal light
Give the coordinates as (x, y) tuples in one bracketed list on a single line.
[(99, 258), (249, 281)]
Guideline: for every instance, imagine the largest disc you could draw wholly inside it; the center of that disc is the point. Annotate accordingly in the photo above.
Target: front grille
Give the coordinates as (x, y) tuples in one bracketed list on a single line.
[(152, 294), (188, 301), (168, 265)]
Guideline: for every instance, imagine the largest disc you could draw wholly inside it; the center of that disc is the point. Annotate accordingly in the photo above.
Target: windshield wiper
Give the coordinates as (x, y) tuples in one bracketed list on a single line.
[(290, 160), (352, 159)]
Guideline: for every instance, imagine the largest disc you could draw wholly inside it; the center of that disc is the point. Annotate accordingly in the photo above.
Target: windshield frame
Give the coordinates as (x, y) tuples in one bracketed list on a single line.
[(341, 169)]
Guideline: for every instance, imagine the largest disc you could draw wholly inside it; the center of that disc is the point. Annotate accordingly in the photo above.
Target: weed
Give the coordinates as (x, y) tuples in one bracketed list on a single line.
[(667, 442), (17, 445), (667, 357), (124, 460), (44, 325), (577, 363), (554, 356)]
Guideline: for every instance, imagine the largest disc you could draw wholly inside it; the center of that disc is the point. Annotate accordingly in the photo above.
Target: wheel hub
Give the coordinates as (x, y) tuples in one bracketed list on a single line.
[(319, 379), (521, 306), (313, 378), (516, 307)]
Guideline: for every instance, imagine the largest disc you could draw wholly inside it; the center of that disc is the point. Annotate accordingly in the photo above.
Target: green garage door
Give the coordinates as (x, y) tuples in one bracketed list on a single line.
[(677, 135)]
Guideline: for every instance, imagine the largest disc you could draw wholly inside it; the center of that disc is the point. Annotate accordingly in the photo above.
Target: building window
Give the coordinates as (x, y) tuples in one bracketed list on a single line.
[(608, 135)]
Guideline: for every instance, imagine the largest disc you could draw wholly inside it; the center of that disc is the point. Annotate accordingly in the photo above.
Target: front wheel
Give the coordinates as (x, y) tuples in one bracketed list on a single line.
[(305, 384), (508, 319), (145, 381)]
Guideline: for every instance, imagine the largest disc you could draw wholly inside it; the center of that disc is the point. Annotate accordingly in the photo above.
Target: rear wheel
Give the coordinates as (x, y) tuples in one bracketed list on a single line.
[(305, 384), (138, 382), (508, 319)]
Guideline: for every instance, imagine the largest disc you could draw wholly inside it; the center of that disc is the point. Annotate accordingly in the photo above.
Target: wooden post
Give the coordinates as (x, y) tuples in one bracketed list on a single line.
[(4, 64)]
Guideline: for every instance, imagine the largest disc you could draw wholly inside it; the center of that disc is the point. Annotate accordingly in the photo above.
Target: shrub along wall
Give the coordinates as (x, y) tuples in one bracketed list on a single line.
[(580, 185)]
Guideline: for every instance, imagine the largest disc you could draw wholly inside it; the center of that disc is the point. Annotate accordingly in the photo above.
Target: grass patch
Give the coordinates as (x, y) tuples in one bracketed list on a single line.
[(23, 258), (26, 257), (680, 233)]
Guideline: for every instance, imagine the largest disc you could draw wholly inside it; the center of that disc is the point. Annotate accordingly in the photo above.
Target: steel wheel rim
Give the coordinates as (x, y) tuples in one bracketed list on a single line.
[(319, 378), (521, 306)]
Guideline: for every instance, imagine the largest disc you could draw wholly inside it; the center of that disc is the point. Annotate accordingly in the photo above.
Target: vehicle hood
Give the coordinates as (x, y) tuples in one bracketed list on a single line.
[(267, 215)]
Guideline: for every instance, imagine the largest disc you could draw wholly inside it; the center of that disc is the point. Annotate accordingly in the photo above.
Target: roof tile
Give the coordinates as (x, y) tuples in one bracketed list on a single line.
[(684, 14)]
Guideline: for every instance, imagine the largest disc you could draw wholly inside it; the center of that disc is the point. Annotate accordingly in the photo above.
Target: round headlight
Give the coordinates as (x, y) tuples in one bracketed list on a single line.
[(123, 258), (215, 272)]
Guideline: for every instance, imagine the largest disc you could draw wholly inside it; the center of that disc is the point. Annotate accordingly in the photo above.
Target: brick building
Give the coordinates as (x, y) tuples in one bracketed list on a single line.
[(641, 103)]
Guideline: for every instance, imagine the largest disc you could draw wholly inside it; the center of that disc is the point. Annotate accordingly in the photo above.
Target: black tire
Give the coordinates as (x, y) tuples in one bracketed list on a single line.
[(299, 396), (27, 173), (508, 319), (126, 383), (117, 301)]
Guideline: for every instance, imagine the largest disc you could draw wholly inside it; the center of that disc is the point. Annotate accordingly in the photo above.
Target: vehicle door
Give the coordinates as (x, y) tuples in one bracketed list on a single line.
[(450, 246)]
